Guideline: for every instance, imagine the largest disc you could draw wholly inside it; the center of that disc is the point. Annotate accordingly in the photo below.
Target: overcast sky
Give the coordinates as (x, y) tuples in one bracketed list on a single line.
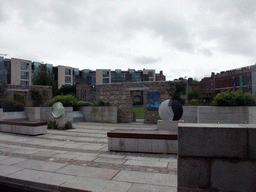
[(182, 38)]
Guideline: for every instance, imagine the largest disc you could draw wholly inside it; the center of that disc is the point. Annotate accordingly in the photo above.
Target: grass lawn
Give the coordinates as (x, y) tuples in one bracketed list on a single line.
[(139, 112)]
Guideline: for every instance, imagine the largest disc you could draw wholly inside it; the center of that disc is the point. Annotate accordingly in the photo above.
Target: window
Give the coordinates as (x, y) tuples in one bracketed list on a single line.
[(67, 72), (67, 79), (24, 66), (24, 75), (105, 80), (24, 82), (105, 73)]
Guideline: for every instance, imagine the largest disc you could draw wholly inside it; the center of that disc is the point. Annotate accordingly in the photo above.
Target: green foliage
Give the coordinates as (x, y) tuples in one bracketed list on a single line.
[(52, 124), (68, 125), (36, 97), (44, 76), (139, 111), (66, 100), (19, 98), (101, 103), (176, 89), (85, 103), (11, 106), (195, 94), (67, 90), (194, 102), (234, 98)]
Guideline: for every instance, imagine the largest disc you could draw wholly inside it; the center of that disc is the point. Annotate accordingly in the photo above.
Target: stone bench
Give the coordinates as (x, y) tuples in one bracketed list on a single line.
[(146, 141), (24, 127)]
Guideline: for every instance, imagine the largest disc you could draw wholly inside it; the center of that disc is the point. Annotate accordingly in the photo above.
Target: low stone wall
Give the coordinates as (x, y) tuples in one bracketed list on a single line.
[(1, 114), (216, 157), (100, 114), (226, 115), (46, 113)]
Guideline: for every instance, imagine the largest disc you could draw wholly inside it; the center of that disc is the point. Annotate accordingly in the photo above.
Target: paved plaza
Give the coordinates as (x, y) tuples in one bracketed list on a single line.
[(79, 159)]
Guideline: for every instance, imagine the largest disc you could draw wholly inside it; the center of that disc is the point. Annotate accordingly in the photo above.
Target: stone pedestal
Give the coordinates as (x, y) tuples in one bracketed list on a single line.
[(61, 121), (168, 125)]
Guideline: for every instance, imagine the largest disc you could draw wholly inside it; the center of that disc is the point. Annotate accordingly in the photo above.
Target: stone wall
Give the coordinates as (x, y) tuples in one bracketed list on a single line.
[(85, 92), (45, 91), (216, 157), (100, 114), (121, 95), (226, 115)]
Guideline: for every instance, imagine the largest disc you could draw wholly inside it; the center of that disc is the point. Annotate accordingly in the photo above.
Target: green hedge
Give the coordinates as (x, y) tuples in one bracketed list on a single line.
[(66, 100), (234, 98), (11, 106)]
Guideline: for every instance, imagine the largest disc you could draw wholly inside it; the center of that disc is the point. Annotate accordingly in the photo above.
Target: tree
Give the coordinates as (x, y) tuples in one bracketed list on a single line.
[(66, 90), (195, 94), (176, 89), (44, 76)]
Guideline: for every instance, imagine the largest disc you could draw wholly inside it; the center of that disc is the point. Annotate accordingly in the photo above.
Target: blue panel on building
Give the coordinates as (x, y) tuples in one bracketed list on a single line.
[(153, 100)]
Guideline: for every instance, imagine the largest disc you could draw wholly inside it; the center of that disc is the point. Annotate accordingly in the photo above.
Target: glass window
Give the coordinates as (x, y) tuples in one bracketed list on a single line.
[(67, 72), (105, 73), (67, 79), (105, 80), (24, 82), (24, 66), (24, 75)]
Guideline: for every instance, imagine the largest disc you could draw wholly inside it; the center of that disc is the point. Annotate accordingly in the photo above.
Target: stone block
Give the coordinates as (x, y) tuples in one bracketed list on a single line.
[(145, 145), (212, 140), (252, 142), (172, 146), (233, 175), (131, 145), (168, 125), (159, 146), (33, 113), (204, 109), (117, 144), (6, 128), (194, 172)]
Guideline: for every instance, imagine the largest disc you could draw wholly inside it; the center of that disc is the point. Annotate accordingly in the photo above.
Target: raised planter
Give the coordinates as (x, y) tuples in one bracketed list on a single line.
[(100, 114)]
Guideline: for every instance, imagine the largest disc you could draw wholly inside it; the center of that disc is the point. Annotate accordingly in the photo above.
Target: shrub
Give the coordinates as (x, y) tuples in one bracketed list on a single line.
[(66, 100), (11, 106), (19, 98), (234, 98), (101, 103), (36, 97), (194, 102), (68, 125), (52, 124), (67, 90), (85, 103)]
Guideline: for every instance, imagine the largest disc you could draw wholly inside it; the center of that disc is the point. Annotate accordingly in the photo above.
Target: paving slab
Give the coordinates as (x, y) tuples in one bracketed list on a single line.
[(100, 173), (6, 169), (151, 188), (2, 157), (97, 185), (12, 161), (146, 163), (110, 160), (147, 178), (41, 165), (41, 177)]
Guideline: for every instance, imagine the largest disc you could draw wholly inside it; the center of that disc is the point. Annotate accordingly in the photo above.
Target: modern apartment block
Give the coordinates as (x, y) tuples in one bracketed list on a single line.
[(20, 72)]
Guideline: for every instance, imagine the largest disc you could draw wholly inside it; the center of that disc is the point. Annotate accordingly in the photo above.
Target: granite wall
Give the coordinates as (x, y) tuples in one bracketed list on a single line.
[(121, 95)]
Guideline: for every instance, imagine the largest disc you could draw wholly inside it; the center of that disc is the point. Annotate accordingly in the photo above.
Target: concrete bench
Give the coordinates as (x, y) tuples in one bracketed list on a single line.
[(24, 127), (146, 141)]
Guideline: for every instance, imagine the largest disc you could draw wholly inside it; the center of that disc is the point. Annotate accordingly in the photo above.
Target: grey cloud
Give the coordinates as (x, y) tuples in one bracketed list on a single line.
[(206, 52), (172, 29), (146, 60), (60, 13)]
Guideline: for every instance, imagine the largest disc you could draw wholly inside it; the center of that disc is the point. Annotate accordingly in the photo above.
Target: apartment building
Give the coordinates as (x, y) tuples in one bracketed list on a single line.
[(20, 72)]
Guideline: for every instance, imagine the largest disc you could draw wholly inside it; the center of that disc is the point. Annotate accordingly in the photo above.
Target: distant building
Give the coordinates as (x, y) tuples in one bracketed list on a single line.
[(20, 72)]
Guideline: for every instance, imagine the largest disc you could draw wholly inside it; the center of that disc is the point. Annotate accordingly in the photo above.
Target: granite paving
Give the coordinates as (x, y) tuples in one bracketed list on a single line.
[(78, 159)]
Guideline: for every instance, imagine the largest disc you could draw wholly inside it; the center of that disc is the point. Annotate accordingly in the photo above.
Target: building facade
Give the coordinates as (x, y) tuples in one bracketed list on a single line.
[(20, 72)]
